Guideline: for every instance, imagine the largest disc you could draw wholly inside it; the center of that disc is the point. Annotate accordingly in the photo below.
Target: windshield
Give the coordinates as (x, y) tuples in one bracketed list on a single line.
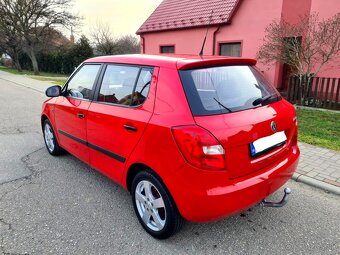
[(226, 89)]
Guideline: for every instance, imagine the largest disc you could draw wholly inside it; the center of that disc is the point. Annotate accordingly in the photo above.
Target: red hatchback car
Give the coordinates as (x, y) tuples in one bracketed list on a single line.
[(190, 137)]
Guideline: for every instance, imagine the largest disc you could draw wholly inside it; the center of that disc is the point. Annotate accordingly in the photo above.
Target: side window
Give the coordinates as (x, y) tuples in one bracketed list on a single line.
[(143, 86), (119, 83), (81, 84)]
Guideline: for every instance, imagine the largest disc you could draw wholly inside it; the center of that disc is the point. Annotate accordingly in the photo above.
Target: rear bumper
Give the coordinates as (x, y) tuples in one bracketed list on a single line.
[(206, 196)]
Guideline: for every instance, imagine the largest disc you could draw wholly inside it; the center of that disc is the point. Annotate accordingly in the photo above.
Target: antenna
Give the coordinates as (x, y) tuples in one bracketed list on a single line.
[(206, 33)]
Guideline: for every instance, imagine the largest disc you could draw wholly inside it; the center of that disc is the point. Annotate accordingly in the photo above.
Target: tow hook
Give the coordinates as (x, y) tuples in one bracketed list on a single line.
[(283, 201)]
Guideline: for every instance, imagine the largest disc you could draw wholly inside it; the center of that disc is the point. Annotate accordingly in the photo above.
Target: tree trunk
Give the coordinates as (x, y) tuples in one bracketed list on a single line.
[(308, 88), (17, 62), (18, 66), (33, 60)]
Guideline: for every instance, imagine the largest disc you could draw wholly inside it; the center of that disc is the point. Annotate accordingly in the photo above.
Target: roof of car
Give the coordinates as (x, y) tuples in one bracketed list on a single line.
[(180, 62)]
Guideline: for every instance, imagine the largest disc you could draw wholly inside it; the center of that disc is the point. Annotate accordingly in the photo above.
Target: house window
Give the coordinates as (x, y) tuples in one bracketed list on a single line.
[(167, 49), (230, 49)]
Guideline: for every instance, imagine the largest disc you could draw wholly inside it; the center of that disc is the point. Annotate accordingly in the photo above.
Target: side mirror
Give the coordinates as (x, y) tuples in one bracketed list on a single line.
[(53, 91)]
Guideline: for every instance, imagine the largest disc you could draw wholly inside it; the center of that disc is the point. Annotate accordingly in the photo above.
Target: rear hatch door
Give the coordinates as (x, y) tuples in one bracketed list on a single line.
[(246, 114)]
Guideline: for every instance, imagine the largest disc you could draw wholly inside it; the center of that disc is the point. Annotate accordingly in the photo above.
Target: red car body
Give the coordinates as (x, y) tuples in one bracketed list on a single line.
[(120, 141)]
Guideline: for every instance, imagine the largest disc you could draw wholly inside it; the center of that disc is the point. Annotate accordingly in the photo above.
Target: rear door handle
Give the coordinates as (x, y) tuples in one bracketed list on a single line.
[(80, 115), (130, 128)]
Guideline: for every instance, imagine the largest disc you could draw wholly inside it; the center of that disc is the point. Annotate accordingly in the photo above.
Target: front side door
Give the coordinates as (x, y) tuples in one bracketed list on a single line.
[(119, 115), (71, 110)]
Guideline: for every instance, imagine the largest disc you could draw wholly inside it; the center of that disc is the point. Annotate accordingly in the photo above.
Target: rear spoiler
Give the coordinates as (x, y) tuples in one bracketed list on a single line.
[(210, 62)]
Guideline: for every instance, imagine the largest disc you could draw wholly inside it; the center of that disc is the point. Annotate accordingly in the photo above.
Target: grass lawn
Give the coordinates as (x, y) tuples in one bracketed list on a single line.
[(27, 72), (321, 128), (57, 79)]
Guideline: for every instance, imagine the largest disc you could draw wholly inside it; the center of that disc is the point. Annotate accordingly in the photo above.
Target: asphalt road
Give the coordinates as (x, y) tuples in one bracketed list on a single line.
[(58, 205)]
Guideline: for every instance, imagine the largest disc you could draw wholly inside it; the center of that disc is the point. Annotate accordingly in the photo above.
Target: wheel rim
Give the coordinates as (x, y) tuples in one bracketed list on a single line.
[(49, 137), (150, 205)]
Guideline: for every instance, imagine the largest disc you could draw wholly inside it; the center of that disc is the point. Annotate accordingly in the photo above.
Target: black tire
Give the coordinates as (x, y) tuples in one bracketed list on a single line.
[(172, 220), (52, 145)]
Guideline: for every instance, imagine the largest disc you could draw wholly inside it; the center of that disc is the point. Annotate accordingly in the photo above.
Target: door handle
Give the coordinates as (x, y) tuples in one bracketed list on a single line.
[(80, 115), (130, 128)]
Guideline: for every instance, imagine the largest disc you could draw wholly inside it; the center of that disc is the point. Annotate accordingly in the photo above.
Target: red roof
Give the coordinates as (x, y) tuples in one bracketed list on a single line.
[(177, 14)]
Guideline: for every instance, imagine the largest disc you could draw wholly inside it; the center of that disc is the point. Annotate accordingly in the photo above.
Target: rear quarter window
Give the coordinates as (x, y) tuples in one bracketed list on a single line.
[(225, 89)]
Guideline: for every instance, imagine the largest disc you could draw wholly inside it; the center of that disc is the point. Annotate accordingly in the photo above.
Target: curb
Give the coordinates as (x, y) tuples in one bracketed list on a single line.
[(316, 183), (315, 108)]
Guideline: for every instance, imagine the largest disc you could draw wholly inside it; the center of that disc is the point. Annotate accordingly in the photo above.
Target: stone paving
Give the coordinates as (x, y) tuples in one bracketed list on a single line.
[(320, 164)]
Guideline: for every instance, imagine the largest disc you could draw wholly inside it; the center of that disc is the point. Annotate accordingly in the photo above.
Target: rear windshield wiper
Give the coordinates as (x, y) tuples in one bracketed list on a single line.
[(225, 107), (262, 100)]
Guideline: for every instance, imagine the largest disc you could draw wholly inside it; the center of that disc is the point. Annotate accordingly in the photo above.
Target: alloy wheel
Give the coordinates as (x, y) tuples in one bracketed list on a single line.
[(150, 205), (49, 137)]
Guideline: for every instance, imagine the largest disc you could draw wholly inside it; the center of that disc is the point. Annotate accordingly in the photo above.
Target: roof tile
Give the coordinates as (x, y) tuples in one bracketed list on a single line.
[(175, 14)]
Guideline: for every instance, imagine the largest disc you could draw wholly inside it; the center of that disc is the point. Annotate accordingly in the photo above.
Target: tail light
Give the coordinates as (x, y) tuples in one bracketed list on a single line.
[(199, 147)]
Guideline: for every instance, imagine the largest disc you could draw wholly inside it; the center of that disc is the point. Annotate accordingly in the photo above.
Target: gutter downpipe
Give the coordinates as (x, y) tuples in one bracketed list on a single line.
[(214, 38), (143, 43)]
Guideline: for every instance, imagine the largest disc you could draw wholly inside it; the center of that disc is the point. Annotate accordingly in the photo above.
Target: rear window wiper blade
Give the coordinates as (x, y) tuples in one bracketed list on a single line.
[(262, 100), (225, 107)]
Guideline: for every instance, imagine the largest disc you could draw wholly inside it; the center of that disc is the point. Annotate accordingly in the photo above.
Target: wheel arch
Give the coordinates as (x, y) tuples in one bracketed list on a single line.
[(136, 168), (43, 118), (133, 170)]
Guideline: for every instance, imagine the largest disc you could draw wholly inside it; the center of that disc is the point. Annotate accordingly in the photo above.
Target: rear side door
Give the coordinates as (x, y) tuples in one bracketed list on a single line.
[(71, 110), (117, 117)]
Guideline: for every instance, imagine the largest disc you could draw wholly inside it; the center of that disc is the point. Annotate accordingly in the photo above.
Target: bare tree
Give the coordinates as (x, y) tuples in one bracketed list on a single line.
[(305, 47), (107, 44), (103, 39), (31, 19), (127, 44)]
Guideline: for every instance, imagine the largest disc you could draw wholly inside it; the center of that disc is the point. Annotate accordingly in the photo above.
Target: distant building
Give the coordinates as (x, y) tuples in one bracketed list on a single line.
[(236, 28), (6, 60)]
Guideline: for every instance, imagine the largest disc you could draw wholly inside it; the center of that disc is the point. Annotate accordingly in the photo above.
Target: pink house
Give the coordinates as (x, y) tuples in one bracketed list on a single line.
[(236, 28)]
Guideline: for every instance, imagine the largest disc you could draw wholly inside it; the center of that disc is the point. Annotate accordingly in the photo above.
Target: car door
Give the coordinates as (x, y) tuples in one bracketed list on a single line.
[(71, 110), (119, 115)]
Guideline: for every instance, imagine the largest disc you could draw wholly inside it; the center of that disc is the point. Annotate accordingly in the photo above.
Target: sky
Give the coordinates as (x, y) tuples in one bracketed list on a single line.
[(123, 16)]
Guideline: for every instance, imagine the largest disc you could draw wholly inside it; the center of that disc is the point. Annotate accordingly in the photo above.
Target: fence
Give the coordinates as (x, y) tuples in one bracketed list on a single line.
[(320, 93)]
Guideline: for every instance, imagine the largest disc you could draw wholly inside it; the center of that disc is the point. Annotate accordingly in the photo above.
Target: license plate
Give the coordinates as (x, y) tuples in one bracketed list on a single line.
[(267, 143)]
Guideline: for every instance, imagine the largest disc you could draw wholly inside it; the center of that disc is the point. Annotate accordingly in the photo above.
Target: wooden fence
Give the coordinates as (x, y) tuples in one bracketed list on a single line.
[(320, 93)]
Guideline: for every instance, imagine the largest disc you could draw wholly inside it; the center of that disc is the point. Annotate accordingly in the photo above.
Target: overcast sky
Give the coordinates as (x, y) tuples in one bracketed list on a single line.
[(123, 16)]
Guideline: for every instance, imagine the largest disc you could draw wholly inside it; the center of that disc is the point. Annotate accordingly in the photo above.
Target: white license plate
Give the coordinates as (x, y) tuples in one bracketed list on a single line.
[(266, 143)]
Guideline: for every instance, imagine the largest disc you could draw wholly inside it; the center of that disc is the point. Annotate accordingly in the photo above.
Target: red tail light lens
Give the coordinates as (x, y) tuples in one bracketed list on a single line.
[(199, 147)]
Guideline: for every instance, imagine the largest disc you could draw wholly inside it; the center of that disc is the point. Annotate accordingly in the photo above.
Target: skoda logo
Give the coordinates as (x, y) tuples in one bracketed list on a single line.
[(273, 126)]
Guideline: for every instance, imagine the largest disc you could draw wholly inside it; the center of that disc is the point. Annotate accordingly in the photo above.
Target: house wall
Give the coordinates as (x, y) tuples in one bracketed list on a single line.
[(326, 9), (293, 10), (188, 41), (248, 27)]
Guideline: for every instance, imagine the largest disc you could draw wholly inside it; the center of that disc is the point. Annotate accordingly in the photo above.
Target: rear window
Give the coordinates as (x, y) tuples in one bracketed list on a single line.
[(226, 89)]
